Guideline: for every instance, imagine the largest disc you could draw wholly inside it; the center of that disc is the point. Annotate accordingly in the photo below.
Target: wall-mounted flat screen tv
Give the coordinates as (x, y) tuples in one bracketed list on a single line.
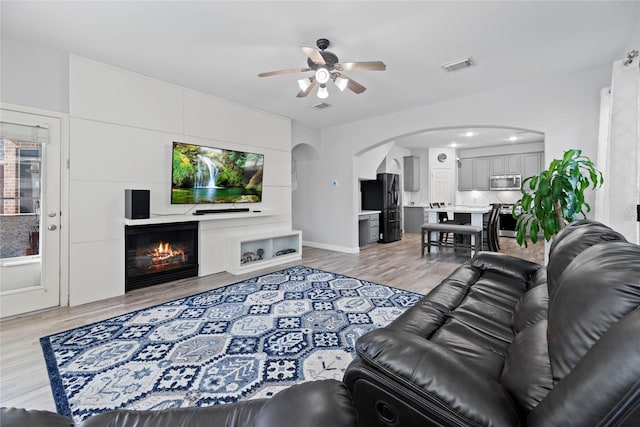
[(201, 174)]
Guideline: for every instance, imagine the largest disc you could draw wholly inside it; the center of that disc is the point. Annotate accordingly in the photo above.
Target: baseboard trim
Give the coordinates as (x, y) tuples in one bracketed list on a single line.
[(331, 247)]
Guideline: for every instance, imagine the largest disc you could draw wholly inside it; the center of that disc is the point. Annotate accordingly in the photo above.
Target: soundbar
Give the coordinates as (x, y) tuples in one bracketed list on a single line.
[(214, 211)]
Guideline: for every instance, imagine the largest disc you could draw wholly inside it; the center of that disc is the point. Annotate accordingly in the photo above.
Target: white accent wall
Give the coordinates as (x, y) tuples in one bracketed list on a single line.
[(122, 126)]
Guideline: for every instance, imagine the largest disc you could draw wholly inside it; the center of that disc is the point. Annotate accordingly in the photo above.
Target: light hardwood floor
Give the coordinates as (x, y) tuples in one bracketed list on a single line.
[(24, 380)]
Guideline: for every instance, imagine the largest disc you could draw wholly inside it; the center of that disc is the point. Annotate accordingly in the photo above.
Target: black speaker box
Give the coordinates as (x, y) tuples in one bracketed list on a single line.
[(136, 204)]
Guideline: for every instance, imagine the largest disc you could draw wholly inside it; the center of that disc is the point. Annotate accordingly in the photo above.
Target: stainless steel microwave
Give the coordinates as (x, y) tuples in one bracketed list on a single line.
[(505, 182)]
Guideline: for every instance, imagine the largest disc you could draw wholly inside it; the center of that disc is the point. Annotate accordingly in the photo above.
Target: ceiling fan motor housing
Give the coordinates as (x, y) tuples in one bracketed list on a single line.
[(330, 58), (322, 44)]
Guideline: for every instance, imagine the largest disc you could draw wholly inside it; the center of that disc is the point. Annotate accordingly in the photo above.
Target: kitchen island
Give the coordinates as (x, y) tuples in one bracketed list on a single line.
[(476, 214), (416, 215)]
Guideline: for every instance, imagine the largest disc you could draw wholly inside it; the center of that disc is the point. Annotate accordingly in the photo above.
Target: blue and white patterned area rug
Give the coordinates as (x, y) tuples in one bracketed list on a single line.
[(246, 340)]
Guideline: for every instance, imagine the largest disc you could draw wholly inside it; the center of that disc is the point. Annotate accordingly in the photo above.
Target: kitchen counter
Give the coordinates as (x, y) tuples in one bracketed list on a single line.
[(368, 212), (416, 215), (461, 209)]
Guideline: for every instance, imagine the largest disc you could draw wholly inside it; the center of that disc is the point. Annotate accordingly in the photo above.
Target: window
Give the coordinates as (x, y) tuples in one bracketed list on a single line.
[(20, 164)]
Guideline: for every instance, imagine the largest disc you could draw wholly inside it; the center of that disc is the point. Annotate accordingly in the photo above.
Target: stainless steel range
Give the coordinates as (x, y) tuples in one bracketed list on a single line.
[(507, 223)]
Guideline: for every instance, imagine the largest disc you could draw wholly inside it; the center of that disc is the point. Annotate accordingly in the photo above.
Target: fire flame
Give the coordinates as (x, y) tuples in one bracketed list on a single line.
[(164, 252)]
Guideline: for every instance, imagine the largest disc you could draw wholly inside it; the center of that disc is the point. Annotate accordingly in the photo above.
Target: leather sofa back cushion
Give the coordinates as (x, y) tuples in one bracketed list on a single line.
[(600, 286), (531, 308), (527, 372), (572, 241)]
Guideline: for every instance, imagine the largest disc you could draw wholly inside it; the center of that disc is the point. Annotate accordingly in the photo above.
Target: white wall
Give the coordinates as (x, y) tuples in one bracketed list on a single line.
[(565, 110), (34, 76), (371, 161), (122, 126)]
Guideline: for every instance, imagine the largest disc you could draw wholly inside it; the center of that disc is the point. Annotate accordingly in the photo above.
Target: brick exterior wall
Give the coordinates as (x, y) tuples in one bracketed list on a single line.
[(9, 175)]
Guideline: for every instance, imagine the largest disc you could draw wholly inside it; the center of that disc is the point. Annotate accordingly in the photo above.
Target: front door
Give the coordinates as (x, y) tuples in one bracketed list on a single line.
[(30, 148)]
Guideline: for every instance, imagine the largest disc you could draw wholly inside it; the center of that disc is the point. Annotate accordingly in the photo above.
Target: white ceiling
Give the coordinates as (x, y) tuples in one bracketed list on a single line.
[(219, 47)]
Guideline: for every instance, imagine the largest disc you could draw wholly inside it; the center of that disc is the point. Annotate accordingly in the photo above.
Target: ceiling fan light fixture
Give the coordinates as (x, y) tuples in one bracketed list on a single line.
[(322, 75), (341, 83), (323, 93), (304, 83)]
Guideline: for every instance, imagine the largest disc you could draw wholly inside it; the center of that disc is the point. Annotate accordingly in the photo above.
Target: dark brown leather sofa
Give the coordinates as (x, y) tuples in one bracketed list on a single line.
[(313, 404), (506, 342), (500, 342)]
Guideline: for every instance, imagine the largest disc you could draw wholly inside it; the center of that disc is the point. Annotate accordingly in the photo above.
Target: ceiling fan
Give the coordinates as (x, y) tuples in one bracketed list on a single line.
[(327, 67)]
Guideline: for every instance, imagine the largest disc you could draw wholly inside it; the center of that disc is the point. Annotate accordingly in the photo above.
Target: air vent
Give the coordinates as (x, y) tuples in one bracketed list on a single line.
[(322, 106), (458, 65)]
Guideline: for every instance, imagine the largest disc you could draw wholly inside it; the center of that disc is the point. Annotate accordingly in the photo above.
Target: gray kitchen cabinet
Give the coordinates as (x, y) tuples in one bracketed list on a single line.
[(531, 164), (498, 165), (465, 175), (481, 172), (374, 228), (369, 228), (506, 165), (414, 217), (411, 173), (512, 164), (474, 172)]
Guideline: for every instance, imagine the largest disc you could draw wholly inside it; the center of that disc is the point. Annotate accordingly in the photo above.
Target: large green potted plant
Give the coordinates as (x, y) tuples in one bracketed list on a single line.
[(555, 196)]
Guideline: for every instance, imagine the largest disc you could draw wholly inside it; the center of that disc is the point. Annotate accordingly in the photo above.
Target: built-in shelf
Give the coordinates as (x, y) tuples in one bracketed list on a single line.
[(161, 219), (251, 252)]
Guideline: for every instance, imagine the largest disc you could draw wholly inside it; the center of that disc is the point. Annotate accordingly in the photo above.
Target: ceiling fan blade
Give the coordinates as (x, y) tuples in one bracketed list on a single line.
[(280, 72), (304, 93), (362, 66), (314, 55), (353, 85)]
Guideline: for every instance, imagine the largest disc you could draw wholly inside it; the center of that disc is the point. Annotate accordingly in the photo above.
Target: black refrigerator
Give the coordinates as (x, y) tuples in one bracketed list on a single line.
[(383, 195)]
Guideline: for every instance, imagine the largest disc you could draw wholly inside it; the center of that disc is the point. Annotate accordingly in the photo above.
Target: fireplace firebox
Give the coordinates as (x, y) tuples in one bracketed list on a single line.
[(160, 253)]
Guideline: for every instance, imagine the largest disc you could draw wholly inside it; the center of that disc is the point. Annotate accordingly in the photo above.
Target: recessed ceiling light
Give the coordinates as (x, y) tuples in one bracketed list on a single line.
[(513, 138), (453, 144), (469, 134)]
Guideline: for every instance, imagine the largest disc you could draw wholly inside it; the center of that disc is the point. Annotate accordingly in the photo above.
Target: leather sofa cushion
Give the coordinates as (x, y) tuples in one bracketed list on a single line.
[(570, 228), (573, 241), (505, 265), (452, 290), (531, 308), (423, 319), (598, 288), (527, 371), (475, 348)]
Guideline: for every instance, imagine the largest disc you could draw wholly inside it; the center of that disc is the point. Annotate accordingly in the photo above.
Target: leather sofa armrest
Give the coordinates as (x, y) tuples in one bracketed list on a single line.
[(603, 388), (507, 265), (438, 376), (19, 417), (311, 404)]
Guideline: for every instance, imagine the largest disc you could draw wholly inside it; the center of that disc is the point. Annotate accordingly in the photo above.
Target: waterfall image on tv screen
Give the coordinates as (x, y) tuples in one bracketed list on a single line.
[(215, 175)]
